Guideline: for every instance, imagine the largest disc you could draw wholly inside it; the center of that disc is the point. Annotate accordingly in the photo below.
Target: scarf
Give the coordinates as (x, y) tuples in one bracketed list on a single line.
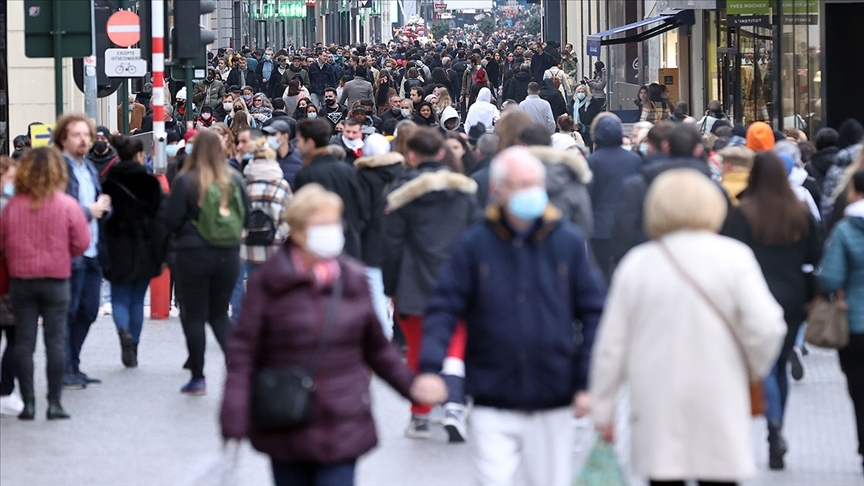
[(263, 170), (577, 105)]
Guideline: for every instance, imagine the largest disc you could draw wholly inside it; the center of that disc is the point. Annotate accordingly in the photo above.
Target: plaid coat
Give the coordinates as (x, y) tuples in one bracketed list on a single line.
[(272, 197), (655, 112)]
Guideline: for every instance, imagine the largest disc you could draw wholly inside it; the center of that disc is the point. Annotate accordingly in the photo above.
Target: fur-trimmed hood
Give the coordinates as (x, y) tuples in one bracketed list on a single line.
[(573, 160), (372, 161), (427, 183)]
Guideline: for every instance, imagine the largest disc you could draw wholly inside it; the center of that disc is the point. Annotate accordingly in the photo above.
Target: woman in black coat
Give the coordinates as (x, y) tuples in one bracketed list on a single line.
[(135, 240), (550, 93)]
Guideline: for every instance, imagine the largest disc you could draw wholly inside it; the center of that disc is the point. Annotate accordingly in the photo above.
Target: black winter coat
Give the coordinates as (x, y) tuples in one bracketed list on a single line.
[(337, 176), (427, 212), (551, 94), (134, 236), (820, 163), (376, 174), (517, 87)]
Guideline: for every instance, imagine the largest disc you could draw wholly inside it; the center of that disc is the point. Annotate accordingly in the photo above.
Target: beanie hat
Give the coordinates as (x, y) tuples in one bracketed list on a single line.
[(760, 137), (181, 95), (103, 131)]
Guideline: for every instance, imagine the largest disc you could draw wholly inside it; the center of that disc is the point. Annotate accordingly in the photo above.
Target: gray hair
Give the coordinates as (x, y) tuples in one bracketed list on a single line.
[(487, 144), (513, 155), (791, 148)]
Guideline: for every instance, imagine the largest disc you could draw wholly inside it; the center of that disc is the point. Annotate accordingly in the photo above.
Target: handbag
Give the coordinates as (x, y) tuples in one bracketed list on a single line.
[(282, 397), (757, 390), (828, 323), (601, 468)]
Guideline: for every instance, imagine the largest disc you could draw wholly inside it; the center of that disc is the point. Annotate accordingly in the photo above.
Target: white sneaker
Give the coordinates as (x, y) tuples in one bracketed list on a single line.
[(418, 428), (106, 309), (11, 405), (454, 422)]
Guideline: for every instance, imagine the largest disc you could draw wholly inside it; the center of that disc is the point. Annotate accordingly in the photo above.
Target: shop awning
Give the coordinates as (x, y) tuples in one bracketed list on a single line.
[(665, 22)]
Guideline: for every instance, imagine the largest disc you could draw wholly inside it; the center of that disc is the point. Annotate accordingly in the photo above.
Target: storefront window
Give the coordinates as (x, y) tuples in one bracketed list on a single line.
[(800, 66)]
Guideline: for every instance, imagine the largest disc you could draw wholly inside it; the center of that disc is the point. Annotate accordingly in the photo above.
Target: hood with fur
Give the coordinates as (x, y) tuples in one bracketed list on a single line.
[(572, 162), (427, 183), (382, 160)]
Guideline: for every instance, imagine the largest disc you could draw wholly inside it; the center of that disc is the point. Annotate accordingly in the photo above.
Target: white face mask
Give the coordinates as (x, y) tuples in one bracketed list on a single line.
[(227, 106), (405, 112), (273, 142), (325, 240), (353, 144)]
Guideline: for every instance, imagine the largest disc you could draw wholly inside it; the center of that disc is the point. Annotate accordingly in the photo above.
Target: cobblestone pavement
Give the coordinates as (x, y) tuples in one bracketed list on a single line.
[(137, 429)]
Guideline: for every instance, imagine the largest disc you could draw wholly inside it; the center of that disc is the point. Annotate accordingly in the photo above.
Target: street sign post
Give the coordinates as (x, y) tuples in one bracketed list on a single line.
[(124, 63), (124, 28)]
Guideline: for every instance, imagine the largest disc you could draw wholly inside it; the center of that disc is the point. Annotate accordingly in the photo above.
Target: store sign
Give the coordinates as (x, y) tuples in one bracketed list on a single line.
[(751, 20), (280, 10), (763, 7)]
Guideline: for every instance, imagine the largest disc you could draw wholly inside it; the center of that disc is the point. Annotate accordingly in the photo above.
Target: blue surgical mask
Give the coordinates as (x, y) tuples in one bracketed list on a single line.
[(247, 157), (405, 112), (171, 150), (628, 148), (528, 204), (312, 115), (581, 96), (273, 142), (643, 148), (189, 148), (9, 189)]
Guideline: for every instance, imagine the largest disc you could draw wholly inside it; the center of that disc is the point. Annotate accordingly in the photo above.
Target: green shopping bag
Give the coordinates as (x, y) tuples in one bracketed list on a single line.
[(601, 468)]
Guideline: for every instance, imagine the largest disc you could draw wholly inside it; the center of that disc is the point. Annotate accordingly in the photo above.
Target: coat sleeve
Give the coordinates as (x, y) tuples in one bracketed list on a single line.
[(589, 297), (612, 346), (448, 303), (79, 233), (627, 230), (834, 272), (176, 208), (242, 355), (760, 325), (395, 229)]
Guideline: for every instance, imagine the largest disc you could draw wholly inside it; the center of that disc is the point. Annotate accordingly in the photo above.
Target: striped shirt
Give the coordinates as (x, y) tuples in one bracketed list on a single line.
[(41, 243), (272, 197)]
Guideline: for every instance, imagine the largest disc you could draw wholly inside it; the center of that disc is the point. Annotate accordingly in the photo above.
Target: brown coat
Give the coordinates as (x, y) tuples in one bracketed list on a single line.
[(136, 115), (282, 317)]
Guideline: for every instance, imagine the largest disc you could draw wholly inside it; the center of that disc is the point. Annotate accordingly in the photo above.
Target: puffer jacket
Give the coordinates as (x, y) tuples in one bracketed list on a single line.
[(843, 264), (567, 179)]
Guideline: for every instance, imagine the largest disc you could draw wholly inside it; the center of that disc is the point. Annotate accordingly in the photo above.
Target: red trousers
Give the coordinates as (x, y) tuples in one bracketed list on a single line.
[(412, 328)]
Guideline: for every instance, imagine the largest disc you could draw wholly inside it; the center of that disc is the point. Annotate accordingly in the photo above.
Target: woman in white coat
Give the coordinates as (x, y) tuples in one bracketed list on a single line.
[(686, 365)]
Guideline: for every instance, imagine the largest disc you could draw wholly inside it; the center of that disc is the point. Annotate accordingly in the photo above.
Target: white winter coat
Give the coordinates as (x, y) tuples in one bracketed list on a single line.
[(689, 395)]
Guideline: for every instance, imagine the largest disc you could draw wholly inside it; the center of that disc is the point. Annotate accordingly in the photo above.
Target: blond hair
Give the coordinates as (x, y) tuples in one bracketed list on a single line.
[(307, 200), (207, 164), (683, 199), (41, 173), (261, 150), (738, 156)]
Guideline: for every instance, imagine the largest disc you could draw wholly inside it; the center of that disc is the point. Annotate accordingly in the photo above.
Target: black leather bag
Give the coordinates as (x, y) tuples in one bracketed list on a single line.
[(282, 397)]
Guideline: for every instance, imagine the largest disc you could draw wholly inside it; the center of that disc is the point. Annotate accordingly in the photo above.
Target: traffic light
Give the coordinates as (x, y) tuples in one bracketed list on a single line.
[(189, 37)]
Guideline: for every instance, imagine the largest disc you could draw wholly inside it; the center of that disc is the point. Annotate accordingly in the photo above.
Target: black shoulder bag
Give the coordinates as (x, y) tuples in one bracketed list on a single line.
[(282, 397)]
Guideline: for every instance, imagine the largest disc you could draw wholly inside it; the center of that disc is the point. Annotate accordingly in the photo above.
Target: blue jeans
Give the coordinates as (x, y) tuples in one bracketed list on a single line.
[(86, 294), (379, 300), (309, 474), (777, 382), (127, 306), (246, 271)]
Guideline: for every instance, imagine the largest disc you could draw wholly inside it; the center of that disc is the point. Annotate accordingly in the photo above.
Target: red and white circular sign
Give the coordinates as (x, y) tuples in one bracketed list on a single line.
[(124, 28)]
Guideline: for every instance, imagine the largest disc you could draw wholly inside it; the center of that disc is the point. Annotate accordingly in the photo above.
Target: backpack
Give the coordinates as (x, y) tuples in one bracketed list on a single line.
[(221, 225), (261, 229)]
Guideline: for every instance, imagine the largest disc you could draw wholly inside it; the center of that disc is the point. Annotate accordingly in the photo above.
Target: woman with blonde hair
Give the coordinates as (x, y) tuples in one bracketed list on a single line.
[(310, 308), (238, 107), (444, 100), (205, 214), (688, 318), (41, 230)]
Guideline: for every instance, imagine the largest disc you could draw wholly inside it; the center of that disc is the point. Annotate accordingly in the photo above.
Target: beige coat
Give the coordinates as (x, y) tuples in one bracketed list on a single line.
[(689, 398)]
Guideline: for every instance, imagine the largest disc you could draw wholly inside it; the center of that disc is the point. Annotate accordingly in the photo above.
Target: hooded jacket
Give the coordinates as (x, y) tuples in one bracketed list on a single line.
[(483, 111), (567, 179), (449, 113), (103, 162), (517, 86), (426, 213), (553, 95), (611, 166), (376, 174), (821, 162)]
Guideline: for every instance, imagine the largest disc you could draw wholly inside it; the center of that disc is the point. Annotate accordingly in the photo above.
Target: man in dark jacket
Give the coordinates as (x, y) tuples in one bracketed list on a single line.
[(241, 75), (321, 167), (332, 110), (279, 136), (295, 68), (516, 88), (825, 156), (264, 72), (520, 279), (321, 77), (611, 165), (279, 113), (427, 211), (102, 154)]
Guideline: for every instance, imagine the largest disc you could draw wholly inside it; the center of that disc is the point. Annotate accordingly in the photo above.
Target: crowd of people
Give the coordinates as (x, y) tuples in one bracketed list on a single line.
[(468, 204)]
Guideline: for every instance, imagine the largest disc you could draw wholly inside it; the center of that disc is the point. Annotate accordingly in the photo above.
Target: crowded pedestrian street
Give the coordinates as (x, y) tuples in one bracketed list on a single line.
[(136, 430)]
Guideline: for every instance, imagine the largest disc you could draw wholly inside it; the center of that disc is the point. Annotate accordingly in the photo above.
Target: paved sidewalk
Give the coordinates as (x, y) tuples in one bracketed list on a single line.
[(137, 429)]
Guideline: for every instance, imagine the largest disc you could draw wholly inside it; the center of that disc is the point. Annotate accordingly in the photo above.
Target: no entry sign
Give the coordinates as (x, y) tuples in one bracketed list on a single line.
[(124, 29)]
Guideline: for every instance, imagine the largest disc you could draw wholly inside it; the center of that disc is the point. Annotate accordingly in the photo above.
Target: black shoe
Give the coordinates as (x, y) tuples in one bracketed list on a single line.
[(126, 348), (92, 382), (777, 447), (135, 355), (72, 381), (29, 412), (796, 360), (55, 411)]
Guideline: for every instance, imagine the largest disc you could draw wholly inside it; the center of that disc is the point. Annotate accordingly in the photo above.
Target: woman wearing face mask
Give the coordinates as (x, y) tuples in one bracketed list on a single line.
[(585, 108), (261, 109), (206, 118), (134, 240), (311, 111), (289, 302), (239, 107), (300, 111)]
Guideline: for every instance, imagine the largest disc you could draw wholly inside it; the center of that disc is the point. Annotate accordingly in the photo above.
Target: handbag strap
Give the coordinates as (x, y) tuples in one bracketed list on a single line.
[(330, 316), (707, 299)]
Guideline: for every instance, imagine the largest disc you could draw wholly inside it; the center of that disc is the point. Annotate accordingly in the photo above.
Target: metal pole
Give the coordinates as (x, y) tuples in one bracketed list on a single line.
[(160, 163), (124, 88), (58, 63), (187, 76), (90, 66)]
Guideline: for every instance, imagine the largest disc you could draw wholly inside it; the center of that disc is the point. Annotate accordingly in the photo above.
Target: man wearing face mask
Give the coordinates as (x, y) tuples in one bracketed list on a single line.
[(351, 139), (223, 109), (101, 153), (279, 136), (525, 362), (321, 77), (396, 111), (209, 91), (320, 166), (332, 110), (427, 211), (264, 71)]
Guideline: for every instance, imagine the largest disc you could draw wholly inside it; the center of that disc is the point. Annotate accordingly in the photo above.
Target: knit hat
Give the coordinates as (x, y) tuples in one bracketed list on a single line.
[(481, 76), (103, 131), (760, 137), (181, 95)]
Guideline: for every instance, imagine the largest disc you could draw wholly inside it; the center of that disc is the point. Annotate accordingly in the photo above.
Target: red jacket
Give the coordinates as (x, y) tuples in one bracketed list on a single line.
[(283, 315), (41, 243)]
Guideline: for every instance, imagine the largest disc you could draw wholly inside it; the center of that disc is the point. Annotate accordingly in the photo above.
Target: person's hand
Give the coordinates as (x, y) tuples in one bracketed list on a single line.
[(581, 404), (100, 207), (428, 388), (607, 432)]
